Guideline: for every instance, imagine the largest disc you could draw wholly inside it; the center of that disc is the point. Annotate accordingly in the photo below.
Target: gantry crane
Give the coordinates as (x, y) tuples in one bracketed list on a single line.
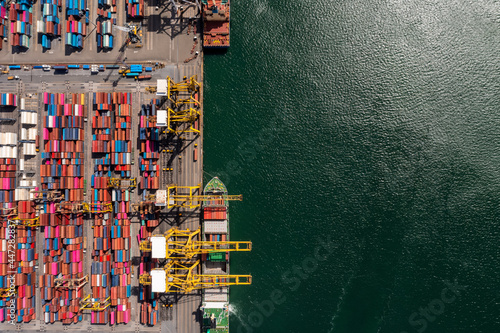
[(7, 292), (91, 304), (146, 207), (182, 245), (183, 92), (184, 196), (21, 222), (8, 212), (183, 277), (122, 183), (176, 118), (83, 207), (66, 282), (51, 195)]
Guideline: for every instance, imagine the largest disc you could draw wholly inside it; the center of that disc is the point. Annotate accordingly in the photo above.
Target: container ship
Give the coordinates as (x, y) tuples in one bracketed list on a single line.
[(215, 301), (216, 24)]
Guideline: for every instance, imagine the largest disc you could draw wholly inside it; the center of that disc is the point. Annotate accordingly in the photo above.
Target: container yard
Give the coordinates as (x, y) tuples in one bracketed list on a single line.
[(105, 218)]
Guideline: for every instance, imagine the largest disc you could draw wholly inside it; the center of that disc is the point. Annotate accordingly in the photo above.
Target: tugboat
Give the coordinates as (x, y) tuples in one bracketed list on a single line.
[(216, 24)]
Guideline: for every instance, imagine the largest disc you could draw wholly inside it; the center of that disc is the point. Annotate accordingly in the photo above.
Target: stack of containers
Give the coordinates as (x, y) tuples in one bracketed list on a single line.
[(49, 26), (135, 8), (148, 158), (3, 21), (8, 265), (62, 169), (76, 28), (105, 26), (149, 304), (8, 169), (21, 19), (111, 275), (27, 257), (215, 214), (7, 99)]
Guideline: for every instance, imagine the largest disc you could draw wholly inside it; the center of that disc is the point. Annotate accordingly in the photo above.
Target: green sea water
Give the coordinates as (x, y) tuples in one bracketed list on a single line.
[(365, 139)]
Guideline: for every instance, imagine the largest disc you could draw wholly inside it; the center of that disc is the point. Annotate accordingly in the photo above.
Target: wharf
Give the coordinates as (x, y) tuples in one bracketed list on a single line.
[(170, 48)]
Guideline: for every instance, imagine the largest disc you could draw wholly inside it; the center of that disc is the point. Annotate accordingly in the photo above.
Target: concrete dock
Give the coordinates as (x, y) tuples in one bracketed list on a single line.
[(166, 41)]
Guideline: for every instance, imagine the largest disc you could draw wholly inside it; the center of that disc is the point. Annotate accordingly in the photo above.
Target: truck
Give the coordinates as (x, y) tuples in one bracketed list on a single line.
[(13, 77), (143, 77), (60, 68), (46, 68)]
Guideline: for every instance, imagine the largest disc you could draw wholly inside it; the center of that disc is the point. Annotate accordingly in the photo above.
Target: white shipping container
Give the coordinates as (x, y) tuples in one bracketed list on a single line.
[(21, 164), (22, 193), (23, 103), (8, 152), (29, 149), (24, 134), (32, 134)]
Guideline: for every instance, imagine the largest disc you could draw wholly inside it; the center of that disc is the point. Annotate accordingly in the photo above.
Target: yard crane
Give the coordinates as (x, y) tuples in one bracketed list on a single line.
[(50, 195), (182, 245), (146, 207), (7, 292), (122, 183), (8, 212), (66, 282), (183, 277), (83, 207), (92, 304), (21, 222)]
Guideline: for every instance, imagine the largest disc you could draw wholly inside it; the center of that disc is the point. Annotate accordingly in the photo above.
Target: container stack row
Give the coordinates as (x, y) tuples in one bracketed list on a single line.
[(9, 262), (76, 25), (148, 299), (105, 21), (135, 8), (7, 179), (62, 169), (7, 99), (49, 26), (21, 20), (148, 158), (27, 258), (75, 33), (111, 255), (63, 135), (3, 21), (63, 258)]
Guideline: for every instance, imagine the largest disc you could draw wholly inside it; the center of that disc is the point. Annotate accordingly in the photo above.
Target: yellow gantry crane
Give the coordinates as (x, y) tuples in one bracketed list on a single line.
[(186, 196), (91, 304), (19, 222), (66, 282), (183, 93), (122, 183), (83, 207), (183, 277), (7, 292), (177, 118), (182, 245)]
